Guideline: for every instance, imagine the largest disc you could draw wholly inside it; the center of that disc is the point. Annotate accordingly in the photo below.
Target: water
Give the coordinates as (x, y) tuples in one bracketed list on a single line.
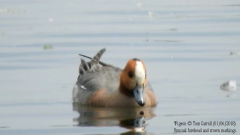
[(189, 47)]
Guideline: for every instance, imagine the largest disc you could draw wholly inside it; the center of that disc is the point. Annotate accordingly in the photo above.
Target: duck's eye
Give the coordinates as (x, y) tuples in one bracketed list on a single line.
[(130, 74)]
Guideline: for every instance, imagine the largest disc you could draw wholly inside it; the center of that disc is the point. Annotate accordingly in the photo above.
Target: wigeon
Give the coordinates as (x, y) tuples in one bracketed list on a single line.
[(101, 84)]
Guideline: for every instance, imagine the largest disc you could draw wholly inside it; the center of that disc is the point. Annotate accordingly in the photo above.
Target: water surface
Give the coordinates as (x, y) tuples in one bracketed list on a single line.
[(189, 47)]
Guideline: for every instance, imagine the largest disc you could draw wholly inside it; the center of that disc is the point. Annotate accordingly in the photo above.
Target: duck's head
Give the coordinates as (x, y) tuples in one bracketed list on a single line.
[(133, 80)]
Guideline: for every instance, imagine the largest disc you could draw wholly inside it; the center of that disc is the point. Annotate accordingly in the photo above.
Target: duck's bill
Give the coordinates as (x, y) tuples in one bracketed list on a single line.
[(138, 94)]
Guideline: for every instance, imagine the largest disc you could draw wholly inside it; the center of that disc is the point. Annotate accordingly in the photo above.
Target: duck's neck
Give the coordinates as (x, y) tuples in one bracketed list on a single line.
[(124, 90)]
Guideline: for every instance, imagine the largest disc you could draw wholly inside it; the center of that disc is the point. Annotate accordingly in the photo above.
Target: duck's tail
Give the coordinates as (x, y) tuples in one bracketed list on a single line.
[(97, 57), (93, 65)]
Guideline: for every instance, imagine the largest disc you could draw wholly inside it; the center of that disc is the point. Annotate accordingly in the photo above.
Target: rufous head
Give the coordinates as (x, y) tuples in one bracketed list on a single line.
[(133, 80)]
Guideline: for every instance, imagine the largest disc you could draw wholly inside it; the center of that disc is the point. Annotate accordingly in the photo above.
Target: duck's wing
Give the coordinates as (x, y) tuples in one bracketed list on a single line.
[(95, 74)]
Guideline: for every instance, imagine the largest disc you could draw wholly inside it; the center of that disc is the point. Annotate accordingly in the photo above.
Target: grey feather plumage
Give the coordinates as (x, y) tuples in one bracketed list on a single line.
[(95, 64), (95, 75)]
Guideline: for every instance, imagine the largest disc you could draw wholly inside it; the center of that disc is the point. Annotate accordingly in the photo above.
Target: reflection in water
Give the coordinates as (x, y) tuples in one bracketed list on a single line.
[(131, 118)]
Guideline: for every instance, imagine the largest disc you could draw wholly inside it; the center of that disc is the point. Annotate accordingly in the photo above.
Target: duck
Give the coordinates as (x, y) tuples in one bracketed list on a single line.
[(103, 85)]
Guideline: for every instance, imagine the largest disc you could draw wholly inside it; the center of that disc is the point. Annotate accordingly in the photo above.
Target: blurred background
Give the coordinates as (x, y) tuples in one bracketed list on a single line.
[(190, 49)]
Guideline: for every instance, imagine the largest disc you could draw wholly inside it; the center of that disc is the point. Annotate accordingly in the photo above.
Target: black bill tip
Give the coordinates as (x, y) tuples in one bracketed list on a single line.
[(141, 103)]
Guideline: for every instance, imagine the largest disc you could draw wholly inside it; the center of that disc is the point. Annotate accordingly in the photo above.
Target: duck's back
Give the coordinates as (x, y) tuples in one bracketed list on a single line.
[(95, 77)]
